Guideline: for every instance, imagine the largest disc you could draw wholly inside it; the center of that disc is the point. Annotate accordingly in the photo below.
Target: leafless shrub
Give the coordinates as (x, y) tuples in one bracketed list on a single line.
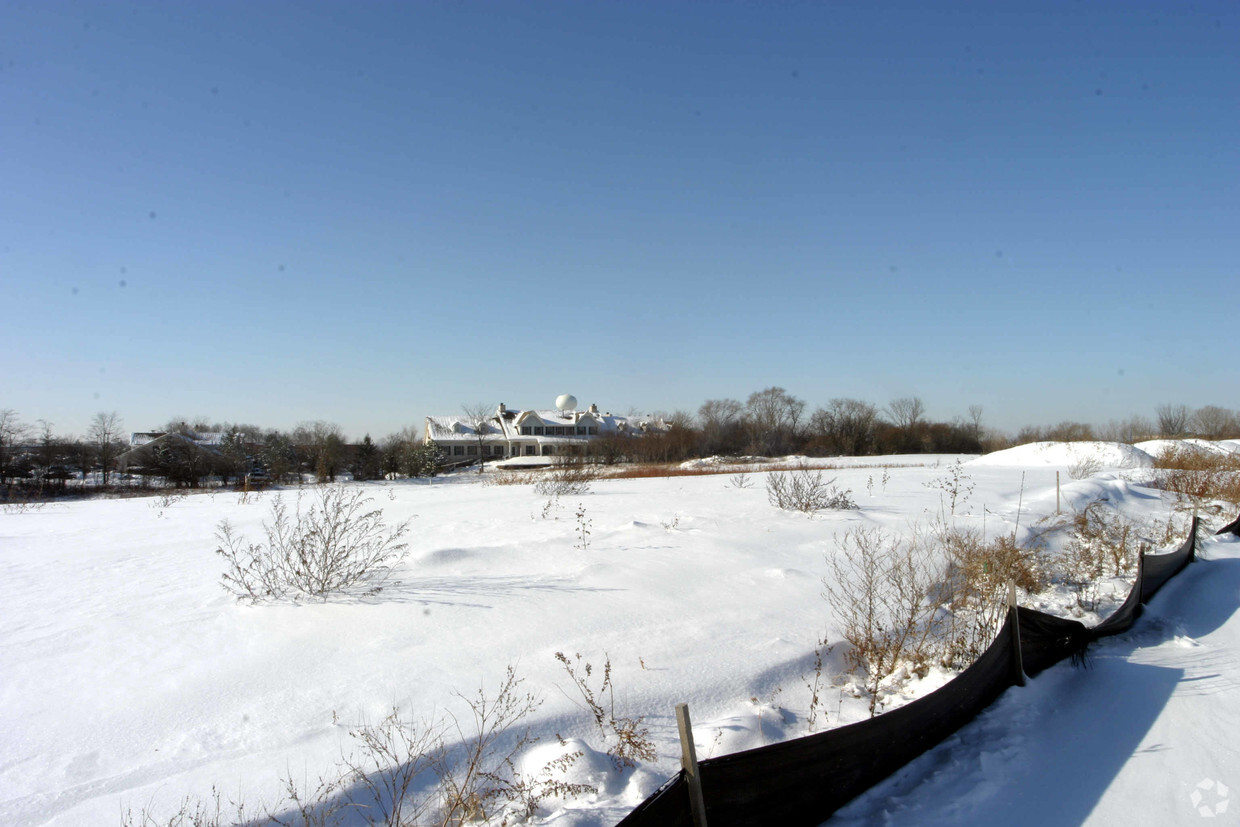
[(511, 478), (168, 500), (299, 806), (1101, 544), (626, 737), (307, 806), (583, 529), (815, 686), (806, 491), (22, 505), (956, 485), (394, 754), (978, 571), (568, 479), (881, 591), (480, 780), (404, 773), (1084, 467), (335, 545), (192, 813), (741, 480)]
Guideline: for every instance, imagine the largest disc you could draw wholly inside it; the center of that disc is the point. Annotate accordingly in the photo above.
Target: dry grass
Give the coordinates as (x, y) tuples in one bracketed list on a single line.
[(1199, 474), (654, 470), (649, 470), (1101, 544)]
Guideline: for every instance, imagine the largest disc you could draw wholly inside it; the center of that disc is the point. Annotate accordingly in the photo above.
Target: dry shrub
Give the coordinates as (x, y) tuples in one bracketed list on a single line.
[(567, 479), (627, 738), (405, 772), (511, 478), (1102, 544), (479, 781), (1084, 467), (337, 544), (656, 470), (976, 580), (806, 491), (881, 589), (1199, 474)]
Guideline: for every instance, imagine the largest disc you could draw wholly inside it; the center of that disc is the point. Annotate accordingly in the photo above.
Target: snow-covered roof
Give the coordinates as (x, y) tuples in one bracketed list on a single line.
[(461, 427), (215, 438), (447, 427)]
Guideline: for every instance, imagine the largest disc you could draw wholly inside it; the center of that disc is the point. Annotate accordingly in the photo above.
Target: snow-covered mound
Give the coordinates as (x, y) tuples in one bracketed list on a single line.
[(1157, 447), (1103, 455), (721, 462)]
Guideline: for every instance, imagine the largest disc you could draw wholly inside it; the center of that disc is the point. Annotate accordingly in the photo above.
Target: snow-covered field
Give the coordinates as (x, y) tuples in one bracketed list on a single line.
[(130, 679)]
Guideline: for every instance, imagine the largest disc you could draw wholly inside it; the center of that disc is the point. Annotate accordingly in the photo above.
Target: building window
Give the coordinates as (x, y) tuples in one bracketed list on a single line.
[(529, 450), (472, 450), (538, 431), (458, 450), (526, 430)]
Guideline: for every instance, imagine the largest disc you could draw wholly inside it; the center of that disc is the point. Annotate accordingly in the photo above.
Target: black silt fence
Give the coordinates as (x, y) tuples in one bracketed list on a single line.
[(805, 780)]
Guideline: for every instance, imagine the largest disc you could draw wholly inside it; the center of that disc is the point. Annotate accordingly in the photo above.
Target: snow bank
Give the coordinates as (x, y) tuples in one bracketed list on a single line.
[(1105, 455), (721, 462), (1158, 447)]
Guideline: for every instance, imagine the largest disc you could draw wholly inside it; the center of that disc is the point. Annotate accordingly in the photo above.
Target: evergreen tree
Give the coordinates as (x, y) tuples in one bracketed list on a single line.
[(367, 461)]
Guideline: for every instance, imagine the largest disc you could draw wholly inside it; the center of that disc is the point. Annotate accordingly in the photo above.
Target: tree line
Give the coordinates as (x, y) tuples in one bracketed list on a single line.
[(185, 453), (770, 422), (773, 422)]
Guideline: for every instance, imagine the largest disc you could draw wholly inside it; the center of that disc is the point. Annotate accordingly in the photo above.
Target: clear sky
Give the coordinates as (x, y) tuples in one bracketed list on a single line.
[(369, 212)]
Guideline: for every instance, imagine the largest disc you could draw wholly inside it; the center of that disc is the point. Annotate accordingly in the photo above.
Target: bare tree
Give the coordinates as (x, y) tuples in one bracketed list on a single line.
[(1134, 429), (906, 417), (720, 420), (324, 443), (906, 412), (1172, 419), (846, 425), (105, 432), (49, 453), (774, 418), (478, 418), (975, 416), (1068, 431), (1213, 422), (12, 432)]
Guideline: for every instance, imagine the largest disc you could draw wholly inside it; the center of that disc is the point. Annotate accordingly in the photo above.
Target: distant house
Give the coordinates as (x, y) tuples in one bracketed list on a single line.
[(531, 433)]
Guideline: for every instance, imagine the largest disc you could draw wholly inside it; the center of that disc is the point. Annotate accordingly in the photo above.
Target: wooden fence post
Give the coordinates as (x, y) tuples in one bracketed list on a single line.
[(1018, 662), (688, 761)]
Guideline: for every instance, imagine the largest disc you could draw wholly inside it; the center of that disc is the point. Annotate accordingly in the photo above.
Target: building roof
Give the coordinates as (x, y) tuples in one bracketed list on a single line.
[(459, 426)]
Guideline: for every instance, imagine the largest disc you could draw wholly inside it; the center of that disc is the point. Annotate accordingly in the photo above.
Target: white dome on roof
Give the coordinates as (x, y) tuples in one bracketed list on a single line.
[(566, 402)]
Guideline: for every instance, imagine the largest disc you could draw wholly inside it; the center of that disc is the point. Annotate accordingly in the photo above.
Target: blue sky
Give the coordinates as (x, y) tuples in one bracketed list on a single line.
[(369, 212)]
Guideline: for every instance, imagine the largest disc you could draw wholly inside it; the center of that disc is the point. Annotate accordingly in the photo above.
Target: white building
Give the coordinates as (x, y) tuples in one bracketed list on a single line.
[(533, 433)]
